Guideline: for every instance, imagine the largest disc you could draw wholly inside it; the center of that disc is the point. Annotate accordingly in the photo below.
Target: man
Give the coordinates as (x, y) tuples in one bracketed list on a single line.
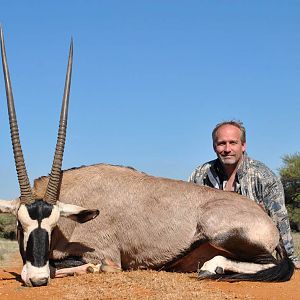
[(234, 171)]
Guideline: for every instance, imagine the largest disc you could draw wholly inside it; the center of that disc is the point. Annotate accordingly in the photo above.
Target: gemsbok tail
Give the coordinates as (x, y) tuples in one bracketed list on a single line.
[(281, 271)]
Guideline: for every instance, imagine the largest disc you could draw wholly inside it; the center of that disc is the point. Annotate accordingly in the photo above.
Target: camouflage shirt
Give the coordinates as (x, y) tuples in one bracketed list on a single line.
[(256, 181)]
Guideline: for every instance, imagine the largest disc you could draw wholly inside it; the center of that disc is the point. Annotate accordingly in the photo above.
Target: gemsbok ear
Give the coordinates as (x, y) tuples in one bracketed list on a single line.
[(10, 206), (77, 213)]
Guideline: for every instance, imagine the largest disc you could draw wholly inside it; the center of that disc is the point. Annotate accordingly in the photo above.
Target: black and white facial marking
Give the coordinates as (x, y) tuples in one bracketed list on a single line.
[(36, 222)]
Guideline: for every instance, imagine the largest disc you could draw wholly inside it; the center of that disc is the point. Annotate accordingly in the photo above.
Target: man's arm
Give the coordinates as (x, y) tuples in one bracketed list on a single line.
[(275, 204), (193, 177), (200, 175)]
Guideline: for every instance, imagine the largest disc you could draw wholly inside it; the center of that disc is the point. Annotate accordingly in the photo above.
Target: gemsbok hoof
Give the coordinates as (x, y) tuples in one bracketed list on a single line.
[(93, 268), (219, 270), (204, 274)]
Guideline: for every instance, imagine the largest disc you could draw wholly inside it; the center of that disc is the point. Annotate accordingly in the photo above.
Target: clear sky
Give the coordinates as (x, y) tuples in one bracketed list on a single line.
[(150, 81)]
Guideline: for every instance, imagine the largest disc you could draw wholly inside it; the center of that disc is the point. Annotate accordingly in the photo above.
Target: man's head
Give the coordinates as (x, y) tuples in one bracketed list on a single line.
[(229, 142)]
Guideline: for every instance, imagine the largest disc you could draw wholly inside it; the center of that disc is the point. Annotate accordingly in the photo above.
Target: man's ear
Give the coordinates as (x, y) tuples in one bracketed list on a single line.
[(244, 147), (77, 213), (214, 146), (10, 206)]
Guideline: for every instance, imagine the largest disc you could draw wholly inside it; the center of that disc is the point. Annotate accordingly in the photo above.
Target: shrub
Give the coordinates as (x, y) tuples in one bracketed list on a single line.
[(8, 226)]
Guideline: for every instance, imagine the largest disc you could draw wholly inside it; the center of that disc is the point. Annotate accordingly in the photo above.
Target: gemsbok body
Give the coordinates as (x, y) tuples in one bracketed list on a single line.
[(144, 222)]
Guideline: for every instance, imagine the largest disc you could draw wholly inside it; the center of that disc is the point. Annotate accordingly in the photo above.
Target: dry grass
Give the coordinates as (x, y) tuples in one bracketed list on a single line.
[(149, 285), (7, 247)]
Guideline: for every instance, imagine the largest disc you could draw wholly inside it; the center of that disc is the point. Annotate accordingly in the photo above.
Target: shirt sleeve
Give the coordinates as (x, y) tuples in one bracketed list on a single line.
[(199, 175), (192, 177), (275, 204)]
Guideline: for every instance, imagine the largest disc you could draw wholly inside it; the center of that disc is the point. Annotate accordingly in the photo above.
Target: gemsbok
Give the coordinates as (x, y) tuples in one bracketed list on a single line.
[(145, 222)]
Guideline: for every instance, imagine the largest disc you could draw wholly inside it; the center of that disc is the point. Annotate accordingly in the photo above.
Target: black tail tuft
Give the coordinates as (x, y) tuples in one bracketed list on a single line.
[(283, 271)]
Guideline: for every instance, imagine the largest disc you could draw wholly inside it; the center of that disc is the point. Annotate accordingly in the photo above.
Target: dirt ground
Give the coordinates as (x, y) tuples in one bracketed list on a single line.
[(139, 285)]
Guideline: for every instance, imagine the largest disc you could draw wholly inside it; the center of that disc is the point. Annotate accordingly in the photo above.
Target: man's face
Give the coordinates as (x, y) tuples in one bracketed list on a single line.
[(228, 145)]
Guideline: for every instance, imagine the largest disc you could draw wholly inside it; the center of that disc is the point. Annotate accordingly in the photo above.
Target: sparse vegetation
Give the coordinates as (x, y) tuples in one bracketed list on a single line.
[(8, 226), (290, 177), (7, 247), (7, 235)]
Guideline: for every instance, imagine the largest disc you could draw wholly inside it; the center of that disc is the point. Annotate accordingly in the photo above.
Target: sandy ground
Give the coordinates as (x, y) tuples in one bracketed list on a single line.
[(139, 285)]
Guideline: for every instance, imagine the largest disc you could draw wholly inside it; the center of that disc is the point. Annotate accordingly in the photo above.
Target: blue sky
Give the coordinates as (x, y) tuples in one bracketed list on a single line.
[(150, 81)]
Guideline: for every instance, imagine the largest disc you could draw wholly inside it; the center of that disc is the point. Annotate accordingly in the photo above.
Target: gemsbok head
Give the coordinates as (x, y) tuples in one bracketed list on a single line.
[(36, 218)]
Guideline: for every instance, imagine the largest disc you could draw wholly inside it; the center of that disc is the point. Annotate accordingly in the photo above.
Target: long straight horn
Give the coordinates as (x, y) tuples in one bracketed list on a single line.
[(54, 181), (26, 194)]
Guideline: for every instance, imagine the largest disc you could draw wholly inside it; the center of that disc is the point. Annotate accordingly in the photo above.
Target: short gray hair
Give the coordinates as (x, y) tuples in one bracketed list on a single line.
[(237, 124)]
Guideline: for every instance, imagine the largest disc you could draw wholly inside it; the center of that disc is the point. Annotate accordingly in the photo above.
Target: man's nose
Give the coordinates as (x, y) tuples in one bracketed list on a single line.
[(227, 148)]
